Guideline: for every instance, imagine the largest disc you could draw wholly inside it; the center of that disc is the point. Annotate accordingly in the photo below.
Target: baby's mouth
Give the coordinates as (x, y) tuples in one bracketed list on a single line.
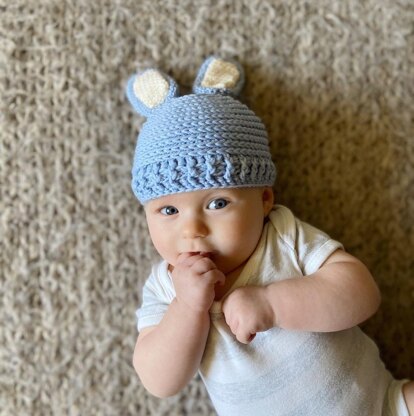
[(201, 253)]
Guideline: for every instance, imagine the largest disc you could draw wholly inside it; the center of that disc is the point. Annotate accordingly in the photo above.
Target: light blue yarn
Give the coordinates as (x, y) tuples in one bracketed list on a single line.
[(200, 141)]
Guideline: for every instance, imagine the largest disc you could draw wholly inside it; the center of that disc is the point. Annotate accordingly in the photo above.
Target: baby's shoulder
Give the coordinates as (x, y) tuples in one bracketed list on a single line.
[(283, 223)]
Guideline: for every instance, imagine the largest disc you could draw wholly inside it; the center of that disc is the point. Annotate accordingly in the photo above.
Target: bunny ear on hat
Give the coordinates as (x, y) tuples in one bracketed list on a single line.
[(150, 89), (219, 76)]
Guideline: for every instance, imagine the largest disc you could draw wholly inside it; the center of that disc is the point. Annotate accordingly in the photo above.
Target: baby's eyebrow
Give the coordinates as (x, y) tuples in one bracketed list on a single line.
[(167, 204)]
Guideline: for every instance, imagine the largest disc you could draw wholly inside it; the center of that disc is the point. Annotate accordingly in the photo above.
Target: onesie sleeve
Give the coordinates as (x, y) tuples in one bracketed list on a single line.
[(306, 245), (312, 246), (157, 294)]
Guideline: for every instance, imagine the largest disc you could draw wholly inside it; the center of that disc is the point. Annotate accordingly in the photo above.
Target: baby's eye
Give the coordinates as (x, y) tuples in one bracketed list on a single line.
[(169, 210), (218, 203)]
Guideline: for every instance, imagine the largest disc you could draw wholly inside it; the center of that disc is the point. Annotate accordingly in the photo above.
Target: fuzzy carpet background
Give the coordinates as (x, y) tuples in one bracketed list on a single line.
[(333, 82)]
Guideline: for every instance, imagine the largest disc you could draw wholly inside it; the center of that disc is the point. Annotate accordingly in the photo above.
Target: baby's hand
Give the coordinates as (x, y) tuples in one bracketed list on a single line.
[(247, 311), (194, 277)]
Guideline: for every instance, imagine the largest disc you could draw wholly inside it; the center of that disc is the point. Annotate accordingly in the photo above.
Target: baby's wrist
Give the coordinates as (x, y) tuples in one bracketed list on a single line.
[(188, 309), (270, 303)]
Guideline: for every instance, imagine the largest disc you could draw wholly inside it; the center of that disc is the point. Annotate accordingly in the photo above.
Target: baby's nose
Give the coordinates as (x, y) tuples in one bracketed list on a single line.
[(195, 228)]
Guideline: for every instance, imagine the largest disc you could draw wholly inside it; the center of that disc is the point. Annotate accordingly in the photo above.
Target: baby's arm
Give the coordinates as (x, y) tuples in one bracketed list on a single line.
[(340, 295), (168, 355)]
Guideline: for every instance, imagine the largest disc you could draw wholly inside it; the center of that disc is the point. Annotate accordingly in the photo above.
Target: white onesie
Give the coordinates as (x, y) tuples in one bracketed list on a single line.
[(281, 372)]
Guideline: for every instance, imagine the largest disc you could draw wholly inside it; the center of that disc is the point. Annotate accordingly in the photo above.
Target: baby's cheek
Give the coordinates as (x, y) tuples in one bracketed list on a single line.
[(167, 251), (243, 241), (233, 236)]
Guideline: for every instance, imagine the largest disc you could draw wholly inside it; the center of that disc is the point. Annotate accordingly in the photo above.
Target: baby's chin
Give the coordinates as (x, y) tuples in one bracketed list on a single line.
[(235, 271)]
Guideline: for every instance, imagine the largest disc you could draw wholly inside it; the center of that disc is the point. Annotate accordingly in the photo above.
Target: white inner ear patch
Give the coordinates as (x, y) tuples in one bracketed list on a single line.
[(151, 88), (220, 74)]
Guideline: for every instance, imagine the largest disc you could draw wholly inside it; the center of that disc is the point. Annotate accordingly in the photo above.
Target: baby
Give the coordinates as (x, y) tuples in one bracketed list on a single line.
[(230, 298)]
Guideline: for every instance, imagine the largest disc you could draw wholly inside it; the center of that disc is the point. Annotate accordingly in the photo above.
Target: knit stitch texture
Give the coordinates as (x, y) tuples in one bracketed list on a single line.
[(200, 142)]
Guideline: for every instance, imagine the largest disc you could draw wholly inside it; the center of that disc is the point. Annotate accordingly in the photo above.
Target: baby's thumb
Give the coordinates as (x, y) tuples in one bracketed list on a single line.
[(221, 278)]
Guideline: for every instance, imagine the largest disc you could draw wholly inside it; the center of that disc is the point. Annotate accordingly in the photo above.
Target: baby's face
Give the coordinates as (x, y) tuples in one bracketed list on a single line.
[(224, 224)]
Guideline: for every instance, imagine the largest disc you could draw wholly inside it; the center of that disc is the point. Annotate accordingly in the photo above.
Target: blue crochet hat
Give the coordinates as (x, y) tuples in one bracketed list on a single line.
[(204, 140)]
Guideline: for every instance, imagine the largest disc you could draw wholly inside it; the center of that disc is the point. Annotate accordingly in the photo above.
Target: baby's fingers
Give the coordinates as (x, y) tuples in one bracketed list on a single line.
[(187, 259), (211, 277), (240, 330), (244, 336), (203, 265)]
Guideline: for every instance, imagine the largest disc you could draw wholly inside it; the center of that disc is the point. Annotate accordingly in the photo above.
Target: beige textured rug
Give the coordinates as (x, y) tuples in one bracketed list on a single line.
[(332, 80)]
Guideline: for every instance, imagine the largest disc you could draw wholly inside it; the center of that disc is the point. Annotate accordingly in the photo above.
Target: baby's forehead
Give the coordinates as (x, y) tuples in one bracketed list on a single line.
[(202, 194)]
